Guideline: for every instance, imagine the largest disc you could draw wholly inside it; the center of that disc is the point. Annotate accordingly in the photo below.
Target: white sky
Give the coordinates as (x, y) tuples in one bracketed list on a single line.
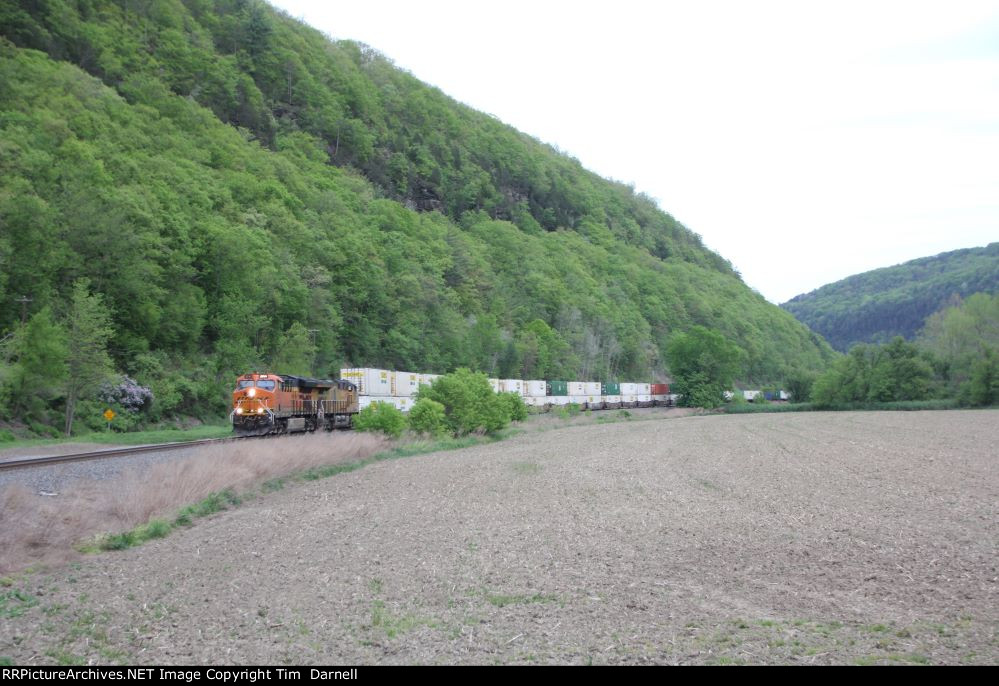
[(804, 141)]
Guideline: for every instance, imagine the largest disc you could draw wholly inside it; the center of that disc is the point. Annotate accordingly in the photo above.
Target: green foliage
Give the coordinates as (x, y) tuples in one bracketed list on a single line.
[(87, 363), (869, 373), (875, 306), (36, 378), (470, 405), (798, 383), (294, 352), (963, 339), (703, 364), (982, 388), (516, 408), (428, 417), (228, 179), (383, 418)]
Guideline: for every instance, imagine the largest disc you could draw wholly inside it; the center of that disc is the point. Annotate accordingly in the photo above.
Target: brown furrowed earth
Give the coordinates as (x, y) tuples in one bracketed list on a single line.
[(808, 538)]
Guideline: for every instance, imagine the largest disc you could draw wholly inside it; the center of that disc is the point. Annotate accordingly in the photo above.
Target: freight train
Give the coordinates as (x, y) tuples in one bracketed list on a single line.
[(280, 403)]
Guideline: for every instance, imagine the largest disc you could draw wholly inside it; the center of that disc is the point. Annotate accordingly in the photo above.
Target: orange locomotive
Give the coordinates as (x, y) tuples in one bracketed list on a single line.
[(279, 403)]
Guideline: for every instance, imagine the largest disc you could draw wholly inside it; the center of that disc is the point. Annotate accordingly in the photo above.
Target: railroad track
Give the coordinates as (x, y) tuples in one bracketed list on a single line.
[(113, 452)]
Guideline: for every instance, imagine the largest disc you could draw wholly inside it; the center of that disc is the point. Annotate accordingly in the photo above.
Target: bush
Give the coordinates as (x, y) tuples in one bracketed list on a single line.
[(469, 402), (381, 418), (6, 436), (515, 406), (428, 417)]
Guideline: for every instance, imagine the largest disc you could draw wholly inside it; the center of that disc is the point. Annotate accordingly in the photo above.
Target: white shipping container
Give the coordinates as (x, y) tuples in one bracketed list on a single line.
[(495, 383), (660, 398), (591, 388), (644, 389), (612, 399), (558, 400), (644, 398), (750, 395), (369, 381), (576, 388), (512, 386), (536, 389), (673, 398), (406, 384), (403, 403), (579, 399), (629, 389), (428, 379)]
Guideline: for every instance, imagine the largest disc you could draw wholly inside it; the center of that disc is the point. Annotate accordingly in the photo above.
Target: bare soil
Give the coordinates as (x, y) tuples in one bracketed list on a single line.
[(782, 538)]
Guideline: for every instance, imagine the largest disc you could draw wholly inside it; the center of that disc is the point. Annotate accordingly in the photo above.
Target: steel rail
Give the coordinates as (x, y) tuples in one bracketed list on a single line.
[(113, 452)]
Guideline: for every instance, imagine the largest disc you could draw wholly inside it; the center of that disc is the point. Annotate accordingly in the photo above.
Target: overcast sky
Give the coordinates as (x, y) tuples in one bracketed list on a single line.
[(804, 141)]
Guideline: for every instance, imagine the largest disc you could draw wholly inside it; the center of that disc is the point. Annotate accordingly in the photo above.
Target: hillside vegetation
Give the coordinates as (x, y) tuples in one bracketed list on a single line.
[(876, 306), (229, 189)]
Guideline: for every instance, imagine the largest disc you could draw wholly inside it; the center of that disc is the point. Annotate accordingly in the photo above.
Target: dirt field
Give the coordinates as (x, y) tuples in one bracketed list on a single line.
[(793, 538)]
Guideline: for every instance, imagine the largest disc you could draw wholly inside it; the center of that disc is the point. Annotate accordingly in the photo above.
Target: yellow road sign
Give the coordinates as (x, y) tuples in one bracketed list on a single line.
[(109, 414)]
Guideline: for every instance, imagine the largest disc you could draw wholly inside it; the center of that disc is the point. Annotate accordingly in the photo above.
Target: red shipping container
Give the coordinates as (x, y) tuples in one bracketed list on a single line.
[(660, 389)]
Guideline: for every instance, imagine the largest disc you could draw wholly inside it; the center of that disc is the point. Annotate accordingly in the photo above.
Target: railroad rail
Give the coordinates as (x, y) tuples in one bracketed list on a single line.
[(113, 452)]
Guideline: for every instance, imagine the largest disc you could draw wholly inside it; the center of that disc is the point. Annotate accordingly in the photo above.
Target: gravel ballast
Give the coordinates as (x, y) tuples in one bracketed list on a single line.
[(776, 538)]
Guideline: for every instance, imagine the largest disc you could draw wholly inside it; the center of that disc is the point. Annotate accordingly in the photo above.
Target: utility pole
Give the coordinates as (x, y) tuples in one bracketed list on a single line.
[(24, 300)]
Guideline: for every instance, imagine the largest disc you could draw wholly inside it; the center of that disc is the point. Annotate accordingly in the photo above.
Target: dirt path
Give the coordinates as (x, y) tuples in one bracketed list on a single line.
[(811, 538)]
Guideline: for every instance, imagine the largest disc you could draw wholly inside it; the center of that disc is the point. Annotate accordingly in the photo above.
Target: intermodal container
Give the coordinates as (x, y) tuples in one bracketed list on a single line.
[(558, 388), (495, 383), (536, 389), (611, 388), (577, 388), (591, 388), (660, 389), (374, 382), (406, 384), (512, 386)]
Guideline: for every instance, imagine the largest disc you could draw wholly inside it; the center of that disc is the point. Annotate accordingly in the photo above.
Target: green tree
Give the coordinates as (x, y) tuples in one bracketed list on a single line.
[(295, 352), (37, 376), (703, 364), (428, 417), (469, 402), (87, 363)]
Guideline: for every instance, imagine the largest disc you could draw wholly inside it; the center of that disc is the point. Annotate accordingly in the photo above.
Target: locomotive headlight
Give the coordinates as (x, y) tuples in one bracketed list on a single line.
[(260, 410), (252, 392), (239, 410)]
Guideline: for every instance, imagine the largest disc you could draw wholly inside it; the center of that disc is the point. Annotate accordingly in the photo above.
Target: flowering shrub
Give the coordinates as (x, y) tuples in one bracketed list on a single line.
[(128, 395)]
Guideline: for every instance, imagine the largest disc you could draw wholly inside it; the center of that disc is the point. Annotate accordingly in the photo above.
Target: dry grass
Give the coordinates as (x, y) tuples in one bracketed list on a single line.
[(45, 530)]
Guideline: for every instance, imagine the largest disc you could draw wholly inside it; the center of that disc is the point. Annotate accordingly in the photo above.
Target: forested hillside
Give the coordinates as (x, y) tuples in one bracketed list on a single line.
[(876, 306), (238, 192)]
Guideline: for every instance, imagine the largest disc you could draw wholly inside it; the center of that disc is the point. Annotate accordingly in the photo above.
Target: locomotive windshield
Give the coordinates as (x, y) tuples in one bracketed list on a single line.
[(244, 383), (266, 385)]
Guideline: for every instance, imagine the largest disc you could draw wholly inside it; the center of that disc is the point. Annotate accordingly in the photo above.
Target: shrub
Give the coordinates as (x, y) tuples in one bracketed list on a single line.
[(381, 418), (428, 417), (6, 436), (515, 406), (469, 402)]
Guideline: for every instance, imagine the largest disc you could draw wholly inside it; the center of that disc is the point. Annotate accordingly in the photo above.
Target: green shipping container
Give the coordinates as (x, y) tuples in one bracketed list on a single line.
[(610, 388), (558, 388)]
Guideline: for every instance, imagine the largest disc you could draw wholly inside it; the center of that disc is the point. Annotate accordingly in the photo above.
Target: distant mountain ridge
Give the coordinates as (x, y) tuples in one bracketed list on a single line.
[(875, 306)]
